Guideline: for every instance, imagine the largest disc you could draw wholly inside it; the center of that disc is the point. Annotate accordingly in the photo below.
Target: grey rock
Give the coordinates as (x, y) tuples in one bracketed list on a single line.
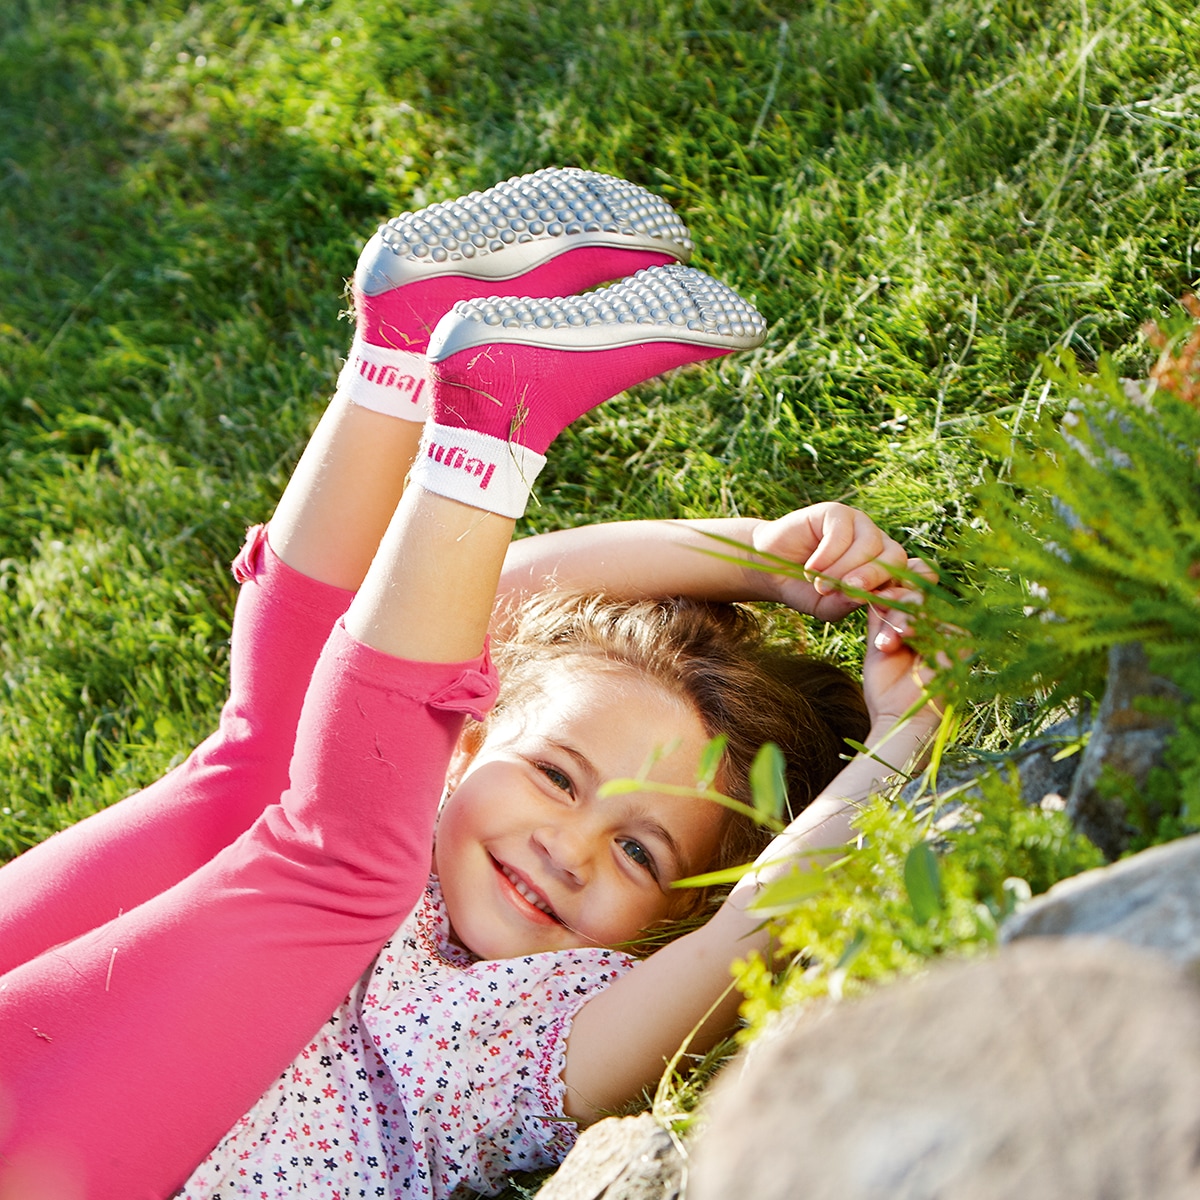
[(621, 1158), (1150, 900), (1058, 1068), (1040, 772), (1126, 741)]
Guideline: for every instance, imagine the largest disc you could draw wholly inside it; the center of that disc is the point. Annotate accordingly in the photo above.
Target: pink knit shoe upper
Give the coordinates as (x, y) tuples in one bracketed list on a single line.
[(510, 373)]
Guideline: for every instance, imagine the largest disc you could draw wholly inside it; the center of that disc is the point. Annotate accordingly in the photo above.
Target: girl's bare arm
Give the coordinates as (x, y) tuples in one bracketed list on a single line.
[(636, 559)]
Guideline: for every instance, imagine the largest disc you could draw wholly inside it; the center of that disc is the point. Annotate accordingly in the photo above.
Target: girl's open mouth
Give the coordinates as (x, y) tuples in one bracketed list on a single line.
[(530, 898)]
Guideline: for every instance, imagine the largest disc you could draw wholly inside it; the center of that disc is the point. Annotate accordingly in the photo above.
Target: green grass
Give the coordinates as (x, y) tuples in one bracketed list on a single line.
[(922, 197)]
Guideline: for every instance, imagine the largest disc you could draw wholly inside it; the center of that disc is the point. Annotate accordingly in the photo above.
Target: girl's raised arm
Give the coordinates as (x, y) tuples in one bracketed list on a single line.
[(684, 989), (645, 559)]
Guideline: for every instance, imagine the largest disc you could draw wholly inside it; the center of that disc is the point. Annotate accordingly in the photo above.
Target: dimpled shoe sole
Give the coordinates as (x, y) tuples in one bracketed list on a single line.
[(518, 225), (661, 304)]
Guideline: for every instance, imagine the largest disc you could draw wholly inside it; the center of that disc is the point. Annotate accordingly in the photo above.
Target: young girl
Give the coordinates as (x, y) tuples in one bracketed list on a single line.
[(164, 961)]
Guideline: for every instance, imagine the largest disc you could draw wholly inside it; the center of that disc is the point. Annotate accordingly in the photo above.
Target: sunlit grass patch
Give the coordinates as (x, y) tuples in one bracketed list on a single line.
[(922, 197)]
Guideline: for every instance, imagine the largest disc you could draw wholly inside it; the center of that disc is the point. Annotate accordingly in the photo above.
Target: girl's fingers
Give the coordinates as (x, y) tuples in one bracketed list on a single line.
[(904, 591), (850, 550), (918, 566), (898, 625), (890, 626), (879, 570), (841, 531), (812, 536), (891, 629), (855, 551), (869, 564)]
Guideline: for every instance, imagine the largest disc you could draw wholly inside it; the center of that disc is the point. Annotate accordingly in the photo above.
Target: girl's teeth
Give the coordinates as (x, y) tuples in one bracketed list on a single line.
[(528, 893)]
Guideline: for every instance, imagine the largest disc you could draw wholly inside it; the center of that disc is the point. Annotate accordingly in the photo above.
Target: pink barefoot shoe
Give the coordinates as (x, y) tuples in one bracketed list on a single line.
[(557, 231), (511, 373)]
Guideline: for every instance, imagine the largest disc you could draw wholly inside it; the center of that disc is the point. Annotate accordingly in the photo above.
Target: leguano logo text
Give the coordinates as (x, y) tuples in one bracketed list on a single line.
[(457, 459), (386, 376)]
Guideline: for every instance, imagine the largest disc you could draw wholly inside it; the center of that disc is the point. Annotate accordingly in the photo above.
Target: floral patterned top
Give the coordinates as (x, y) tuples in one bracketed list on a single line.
[(437, 1072)]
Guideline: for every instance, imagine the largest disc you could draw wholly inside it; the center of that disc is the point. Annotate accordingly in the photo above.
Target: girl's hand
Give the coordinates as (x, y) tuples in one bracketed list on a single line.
[(838, 543), (894, 675)]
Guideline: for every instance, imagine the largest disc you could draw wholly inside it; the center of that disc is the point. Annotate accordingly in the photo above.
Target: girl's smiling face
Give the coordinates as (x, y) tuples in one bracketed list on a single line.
[(531, 857)]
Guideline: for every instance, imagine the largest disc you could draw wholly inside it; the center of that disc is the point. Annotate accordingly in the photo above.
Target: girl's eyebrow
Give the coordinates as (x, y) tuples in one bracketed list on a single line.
[(581, 760)]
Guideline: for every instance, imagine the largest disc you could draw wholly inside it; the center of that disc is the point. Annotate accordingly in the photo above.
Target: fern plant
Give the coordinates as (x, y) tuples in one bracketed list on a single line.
[(901, 898), (1091, 539)]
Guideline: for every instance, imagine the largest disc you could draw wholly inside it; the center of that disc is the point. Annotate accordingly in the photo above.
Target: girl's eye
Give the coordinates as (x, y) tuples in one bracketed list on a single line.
[(558, 778), (638, 853)]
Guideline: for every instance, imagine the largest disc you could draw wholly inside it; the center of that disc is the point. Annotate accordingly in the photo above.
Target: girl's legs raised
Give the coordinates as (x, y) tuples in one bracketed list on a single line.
[(327, 526), (554, 230), (509, 375), (113, 861)]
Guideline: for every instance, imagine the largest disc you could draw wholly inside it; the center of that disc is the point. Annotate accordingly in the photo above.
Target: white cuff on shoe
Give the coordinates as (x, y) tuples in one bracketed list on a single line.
[(394, 382), (477, 469)]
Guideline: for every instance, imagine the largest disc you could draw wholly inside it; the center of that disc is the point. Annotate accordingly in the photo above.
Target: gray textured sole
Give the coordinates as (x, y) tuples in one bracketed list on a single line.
[(661, 304), (518, 225)]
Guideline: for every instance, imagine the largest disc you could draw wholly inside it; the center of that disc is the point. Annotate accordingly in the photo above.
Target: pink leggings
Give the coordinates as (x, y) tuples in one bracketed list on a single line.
[(164, 960)]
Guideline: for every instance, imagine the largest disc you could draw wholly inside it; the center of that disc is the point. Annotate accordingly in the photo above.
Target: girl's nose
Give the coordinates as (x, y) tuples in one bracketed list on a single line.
[(567, 848)]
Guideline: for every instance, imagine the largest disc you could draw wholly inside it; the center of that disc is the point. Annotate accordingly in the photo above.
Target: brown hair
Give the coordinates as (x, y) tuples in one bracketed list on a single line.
[(726, 661)]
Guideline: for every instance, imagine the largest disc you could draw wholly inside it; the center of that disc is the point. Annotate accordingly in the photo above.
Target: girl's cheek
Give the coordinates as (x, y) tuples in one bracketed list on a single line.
[(445, 832)]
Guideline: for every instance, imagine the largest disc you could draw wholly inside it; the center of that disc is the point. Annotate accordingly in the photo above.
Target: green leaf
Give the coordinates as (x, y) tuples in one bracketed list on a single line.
[(783, 895), (768, 781), (622, 787), (715, 878), (922, 880), (947, 731), (851, 952), (710, 761)]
